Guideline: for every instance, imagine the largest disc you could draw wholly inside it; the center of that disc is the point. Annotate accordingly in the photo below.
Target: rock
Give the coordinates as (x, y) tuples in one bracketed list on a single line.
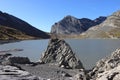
[(80, 76), (3, 56), (107, 65), (60, 53), (112, 74), (19, 60), (63, 73), (14, 73)]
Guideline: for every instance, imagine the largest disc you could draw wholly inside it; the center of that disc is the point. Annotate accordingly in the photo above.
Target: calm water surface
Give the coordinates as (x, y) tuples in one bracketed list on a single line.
[(91, 50), (31, 48), (88, 50)]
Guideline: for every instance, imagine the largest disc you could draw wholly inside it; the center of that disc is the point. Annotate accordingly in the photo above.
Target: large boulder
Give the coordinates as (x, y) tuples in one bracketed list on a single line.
[(14, 73), (19, 60), (80, 76), (112, 74), (3, 56), (108, 66), (60, 53)]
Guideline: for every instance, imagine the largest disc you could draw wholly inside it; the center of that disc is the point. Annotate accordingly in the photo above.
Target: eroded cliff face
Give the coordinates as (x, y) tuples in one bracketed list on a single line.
[(60, 53)]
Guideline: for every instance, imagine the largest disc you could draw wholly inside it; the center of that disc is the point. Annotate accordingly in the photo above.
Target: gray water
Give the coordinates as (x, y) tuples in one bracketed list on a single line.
[(31, 48), (88, 50), (92, 50)]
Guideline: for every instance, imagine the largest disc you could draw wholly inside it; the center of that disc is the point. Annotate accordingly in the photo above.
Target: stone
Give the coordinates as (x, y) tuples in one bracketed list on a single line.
[(19, 60), (80, 76), (109, 66), (14, 73), (60, 53), (3, 56), (112, 74)]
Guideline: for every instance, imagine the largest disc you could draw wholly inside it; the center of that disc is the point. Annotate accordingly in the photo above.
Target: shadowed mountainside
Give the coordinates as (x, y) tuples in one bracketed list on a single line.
[(7, 33), (19, 27)]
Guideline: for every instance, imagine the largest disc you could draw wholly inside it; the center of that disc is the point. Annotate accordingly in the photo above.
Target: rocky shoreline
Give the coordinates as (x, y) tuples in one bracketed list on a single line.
[(58, 62)]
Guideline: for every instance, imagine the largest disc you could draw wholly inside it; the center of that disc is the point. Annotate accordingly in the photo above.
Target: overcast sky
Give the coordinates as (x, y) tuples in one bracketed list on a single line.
[(43, 14)]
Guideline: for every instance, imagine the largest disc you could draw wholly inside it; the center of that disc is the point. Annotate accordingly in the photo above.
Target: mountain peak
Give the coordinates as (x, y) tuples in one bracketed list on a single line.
[(100, 19), (72, 25), (117, 13), (69, 18)]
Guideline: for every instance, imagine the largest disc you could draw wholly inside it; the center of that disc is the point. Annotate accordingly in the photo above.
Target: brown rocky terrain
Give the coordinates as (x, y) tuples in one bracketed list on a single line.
[(110, 28), (7, 33)]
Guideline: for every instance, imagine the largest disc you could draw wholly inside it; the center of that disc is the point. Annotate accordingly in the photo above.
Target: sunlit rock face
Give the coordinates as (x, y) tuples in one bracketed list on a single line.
[(71, 25), (110, 28), (108, 68)]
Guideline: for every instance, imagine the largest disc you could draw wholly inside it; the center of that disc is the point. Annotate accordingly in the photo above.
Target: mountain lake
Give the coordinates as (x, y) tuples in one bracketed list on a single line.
[(89, 51)]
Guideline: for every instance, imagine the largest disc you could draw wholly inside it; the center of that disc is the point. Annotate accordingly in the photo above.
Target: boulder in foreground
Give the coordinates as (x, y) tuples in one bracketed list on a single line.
[(60, 53), (108, 68), (14, 73), (13, 60)]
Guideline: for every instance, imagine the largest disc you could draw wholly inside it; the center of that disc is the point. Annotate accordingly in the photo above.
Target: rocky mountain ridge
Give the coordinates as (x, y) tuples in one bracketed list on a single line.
[(71, 25), (7, 33), (110, 28)]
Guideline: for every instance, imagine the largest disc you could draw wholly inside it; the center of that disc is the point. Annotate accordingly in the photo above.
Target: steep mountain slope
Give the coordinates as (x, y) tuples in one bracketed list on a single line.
[(17, 24), (110, 28), (7, 33), (72, 25)]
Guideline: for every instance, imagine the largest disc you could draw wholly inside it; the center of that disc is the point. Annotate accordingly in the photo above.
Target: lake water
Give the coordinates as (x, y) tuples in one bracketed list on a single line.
[(92, 50), (31, 48), (88, 50)]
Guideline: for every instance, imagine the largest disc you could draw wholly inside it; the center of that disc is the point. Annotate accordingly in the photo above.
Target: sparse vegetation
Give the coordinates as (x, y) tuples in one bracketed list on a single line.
[(103, 34), (115, 32), (7, 33)]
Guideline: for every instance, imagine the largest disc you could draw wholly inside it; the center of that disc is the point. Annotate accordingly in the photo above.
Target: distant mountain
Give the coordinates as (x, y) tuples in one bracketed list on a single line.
[(17, 25), (110, 28), (71, 25)]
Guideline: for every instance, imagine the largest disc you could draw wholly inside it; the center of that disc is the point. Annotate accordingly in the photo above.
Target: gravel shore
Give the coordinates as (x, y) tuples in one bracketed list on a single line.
[(50, 71)]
